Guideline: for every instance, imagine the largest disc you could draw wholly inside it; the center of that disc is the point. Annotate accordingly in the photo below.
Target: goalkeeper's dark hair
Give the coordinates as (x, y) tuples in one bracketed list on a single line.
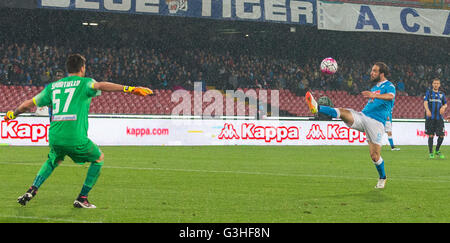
[(383, 68), (74, 63)]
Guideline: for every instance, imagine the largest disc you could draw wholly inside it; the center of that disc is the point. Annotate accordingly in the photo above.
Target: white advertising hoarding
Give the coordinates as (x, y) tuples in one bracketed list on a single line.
[(378, 18), (159, 132)]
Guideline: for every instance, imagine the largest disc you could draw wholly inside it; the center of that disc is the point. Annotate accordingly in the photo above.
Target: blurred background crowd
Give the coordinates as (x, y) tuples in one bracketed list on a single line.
[(173, 53)]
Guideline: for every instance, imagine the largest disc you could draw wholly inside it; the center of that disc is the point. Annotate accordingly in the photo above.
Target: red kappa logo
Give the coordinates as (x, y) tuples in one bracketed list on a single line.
[(14, 130)]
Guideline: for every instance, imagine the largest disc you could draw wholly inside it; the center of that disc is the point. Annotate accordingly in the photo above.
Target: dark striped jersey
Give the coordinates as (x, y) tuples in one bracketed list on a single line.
[(435, 101)]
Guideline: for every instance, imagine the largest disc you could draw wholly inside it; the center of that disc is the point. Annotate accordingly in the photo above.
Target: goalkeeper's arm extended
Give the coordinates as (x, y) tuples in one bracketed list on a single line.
[(24, 107), (112, 87), (103, 86)]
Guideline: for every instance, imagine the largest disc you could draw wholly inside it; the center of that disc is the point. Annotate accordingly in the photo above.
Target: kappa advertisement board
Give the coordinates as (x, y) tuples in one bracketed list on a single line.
[(377, 18), (141, 132), (283, 11)]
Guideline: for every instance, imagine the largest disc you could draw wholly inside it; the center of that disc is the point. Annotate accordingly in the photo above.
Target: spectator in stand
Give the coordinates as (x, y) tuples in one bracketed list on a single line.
[(164, 67), (400, 87)]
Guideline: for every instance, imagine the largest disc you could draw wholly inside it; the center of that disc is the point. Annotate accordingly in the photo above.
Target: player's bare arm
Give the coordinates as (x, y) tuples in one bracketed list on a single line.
[(427, 110), (443, 108), (371, 95)]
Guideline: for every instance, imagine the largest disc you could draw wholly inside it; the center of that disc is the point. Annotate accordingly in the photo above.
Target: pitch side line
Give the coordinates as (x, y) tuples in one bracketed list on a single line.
[(237, 172)]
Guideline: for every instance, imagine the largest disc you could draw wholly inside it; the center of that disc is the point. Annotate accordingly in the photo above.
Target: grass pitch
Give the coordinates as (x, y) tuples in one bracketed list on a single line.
[(232, 184)]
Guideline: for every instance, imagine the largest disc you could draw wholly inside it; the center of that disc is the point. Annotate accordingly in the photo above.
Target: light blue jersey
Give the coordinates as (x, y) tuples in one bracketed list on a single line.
[(389, 117), (380, 109)]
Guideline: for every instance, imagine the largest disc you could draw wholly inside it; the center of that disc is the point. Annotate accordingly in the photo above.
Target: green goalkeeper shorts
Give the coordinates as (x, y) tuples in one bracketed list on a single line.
[(80, 154)]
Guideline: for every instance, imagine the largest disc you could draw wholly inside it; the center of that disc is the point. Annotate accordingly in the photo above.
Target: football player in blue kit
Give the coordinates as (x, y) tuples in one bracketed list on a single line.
[(435, 105), (371, 119)]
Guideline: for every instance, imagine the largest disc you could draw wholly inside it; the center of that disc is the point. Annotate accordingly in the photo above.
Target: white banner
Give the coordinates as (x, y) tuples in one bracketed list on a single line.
[(376, 18), (114, 131), (281, 11)]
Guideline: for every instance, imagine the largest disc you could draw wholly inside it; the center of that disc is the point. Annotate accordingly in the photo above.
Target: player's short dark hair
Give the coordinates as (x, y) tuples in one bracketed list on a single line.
[(383, 68), (74, 63), (436, 79)]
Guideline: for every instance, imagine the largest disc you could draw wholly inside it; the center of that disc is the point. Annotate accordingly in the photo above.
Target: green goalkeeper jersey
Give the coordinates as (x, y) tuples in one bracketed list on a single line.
[(70, 98)]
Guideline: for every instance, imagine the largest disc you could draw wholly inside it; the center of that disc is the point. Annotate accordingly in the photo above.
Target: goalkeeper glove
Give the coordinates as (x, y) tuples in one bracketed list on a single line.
[(141, 91), (9, 116)]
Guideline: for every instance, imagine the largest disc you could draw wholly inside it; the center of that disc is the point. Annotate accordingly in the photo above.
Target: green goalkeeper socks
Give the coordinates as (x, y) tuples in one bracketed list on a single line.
[(45, 171), (91, 178)]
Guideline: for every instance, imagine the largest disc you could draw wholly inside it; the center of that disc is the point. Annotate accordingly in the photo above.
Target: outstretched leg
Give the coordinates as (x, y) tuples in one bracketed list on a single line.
[(342, 113), (347, 116), (46, 170)]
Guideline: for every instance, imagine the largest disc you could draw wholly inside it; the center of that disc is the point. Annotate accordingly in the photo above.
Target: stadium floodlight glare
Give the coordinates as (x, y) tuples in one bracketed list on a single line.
[(89, 24)]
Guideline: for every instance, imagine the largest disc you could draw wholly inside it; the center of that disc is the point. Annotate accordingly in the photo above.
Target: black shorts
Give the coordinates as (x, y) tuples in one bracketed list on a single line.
[(434, 127)]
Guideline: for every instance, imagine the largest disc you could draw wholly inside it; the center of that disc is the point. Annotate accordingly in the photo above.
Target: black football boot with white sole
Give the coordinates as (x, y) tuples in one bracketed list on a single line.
[(25, 198), (82, 202)]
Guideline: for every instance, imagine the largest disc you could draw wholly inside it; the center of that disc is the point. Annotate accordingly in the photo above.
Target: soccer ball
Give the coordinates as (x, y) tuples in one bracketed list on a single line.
[(328, 66)]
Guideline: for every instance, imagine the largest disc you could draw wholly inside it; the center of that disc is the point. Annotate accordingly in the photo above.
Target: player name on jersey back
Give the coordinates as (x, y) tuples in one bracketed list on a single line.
[(66, 84)]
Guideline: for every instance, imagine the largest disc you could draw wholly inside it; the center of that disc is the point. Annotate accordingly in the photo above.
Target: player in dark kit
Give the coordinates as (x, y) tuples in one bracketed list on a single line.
[(435, 105)]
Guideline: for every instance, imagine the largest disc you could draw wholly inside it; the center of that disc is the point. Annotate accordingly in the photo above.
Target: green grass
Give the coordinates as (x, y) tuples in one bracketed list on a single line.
[(256, 184)]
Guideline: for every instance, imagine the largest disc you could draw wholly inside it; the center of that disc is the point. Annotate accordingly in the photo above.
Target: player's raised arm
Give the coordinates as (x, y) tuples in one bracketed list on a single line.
[(24, 107), (112, 87)]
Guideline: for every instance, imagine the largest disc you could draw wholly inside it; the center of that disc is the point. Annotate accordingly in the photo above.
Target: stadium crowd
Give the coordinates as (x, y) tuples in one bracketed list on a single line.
[(34, 64), (173, 53)]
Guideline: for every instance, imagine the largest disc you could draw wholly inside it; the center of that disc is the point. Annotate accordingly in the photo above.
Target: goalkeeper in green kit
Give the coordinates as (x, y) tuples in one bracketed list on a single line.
[(70, 99)]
